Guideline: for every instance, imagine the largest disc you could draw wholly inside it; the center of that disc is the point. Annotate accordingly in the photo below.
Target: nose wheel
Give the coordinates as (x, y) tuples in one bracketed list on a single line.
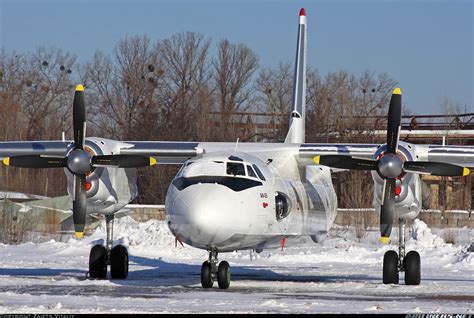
[(212, 270), (394, 263), (101, 256)]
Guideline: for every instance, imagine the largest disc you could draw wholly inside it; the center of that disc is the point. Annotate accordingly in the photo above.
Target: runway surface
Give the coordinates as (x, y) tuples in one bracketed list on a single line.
[(342, 275)]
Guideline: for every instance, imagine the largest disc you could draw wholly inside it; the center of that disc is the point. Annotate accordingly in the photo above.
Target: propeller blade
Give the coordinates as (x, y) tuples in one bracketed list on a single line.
[(123, 161), (435, 168), (346, 162), (35, 161), (79, 117), (79, 205), (394, 119), (387, 210)]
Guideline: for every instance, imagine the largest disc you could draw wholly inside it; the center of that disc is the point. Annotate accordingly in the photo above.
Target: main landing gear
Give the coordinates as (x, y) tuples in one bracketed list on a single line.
[(210, 271), (101, 256), (394, 263)]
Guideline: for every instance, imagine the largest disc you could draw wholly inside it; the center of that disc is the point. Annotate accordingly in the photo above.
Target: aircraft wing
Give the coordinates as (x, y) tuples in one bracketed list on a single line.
[(173, 152), (453, 154), (47, 148), (178, 152), (165, 152), (309, 151), (458, 155)]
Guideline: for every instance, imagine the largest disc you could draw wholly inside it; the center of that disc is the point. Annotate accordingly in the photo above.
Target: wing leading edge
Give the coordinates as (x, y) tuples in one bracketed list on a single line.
[(457, 155), (45, 148), (165, 152)]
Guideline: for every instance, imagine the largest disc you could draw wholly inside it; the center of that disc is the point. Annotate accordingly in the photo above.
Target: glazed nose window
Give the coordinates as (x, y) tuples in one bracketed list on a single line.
[(235, 169)]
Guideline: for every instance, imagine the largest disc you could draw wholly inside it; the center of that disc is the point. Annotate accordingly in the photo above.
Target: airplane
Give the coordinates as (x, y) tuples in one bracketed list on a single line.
[(231, 196)]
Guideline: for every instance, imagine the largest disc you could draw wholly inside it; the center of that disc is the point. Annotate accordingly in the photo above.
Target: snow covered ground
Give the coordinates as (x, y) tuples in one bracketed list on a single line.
[(342, 275)]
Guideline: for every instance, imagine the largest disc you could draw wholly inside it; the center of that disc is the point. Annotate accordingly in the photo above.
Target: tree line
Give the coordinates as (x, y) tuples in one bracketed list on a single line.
[(176, 89)]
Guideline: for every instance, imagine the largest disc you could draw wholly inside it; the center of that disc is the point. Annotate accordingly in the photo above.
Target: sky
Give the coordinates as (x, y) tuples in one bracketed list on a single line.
[(427, 46)]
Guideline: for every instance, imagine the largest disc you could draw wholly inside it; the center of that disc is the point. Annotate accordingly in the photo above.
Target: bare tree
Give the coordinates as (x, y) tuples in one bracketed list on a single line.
[(46, 98), (183, 103), (35, 96), (233, 70), (11, 87), (124, 88), (275, 87), (184, 96), (343, 105)]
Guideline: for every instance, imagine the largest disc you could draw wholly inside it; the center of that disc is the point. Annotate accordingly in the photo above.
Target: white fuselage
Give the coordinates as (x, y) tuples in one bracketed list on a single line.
[(210, 207)]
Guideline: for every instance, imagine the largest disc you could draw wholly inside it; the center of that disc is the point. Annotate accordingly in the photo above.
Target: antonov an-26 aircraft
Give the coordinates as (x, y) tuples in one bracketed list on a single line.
[(254, 196)]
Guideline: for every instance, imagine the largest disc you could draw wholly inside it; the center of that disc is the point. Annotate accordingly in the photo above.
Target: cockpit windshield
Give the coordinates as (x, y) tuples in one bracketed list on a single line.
[(235, 169), (236, 174), (203, 168), (219, 168)]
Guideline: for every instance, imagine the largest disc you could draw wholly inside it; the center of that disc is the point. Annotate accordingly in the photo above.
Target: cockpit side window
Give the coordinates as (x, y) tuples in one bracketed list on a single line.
[(257, 170), (236, 169), (250, 172)]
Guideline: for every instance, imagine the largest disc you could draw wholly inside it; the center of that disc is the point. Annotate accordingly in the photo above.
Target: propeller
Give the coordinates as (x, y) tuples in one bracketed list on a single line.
[(79, 162), (391, 166)]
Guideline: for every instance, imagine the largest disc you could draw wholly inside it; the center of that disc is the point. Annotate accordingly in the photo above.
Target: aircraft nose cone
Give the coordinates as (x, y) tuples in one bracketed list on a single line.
[(202, 214)]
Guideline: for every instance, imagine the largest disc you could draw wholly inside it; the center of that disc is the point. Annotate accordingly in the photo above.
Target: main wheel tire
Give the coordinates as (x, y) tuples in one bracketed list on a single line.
[(412, 268), (98, 262), (119, 262), (390, 267), (223, 275), (206, 275)]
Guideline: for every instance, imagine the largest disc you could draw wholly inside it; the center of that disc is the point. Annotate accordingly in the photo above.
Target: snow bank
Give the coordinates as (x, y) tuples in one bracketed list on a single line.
[(152, 238), (423, 238), (150, 234)]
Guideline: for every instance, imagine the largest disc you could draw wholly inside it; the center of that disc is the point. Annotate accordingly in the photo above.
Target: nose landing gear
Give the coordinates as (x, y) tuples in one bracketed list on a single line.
[(394, 263), (211, 271), (101, 256)]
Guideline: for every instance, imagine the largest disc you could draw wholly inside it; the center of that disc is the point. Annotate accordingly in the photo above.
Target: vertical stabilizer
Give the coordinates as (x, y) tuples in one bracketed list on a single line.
[(296, 132)]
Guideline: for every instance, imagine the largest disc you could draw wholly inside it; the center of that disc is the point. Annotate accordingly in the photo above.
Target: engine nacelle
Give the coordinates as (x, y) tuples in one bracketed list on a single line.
[(408, 198), (108, 189)]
